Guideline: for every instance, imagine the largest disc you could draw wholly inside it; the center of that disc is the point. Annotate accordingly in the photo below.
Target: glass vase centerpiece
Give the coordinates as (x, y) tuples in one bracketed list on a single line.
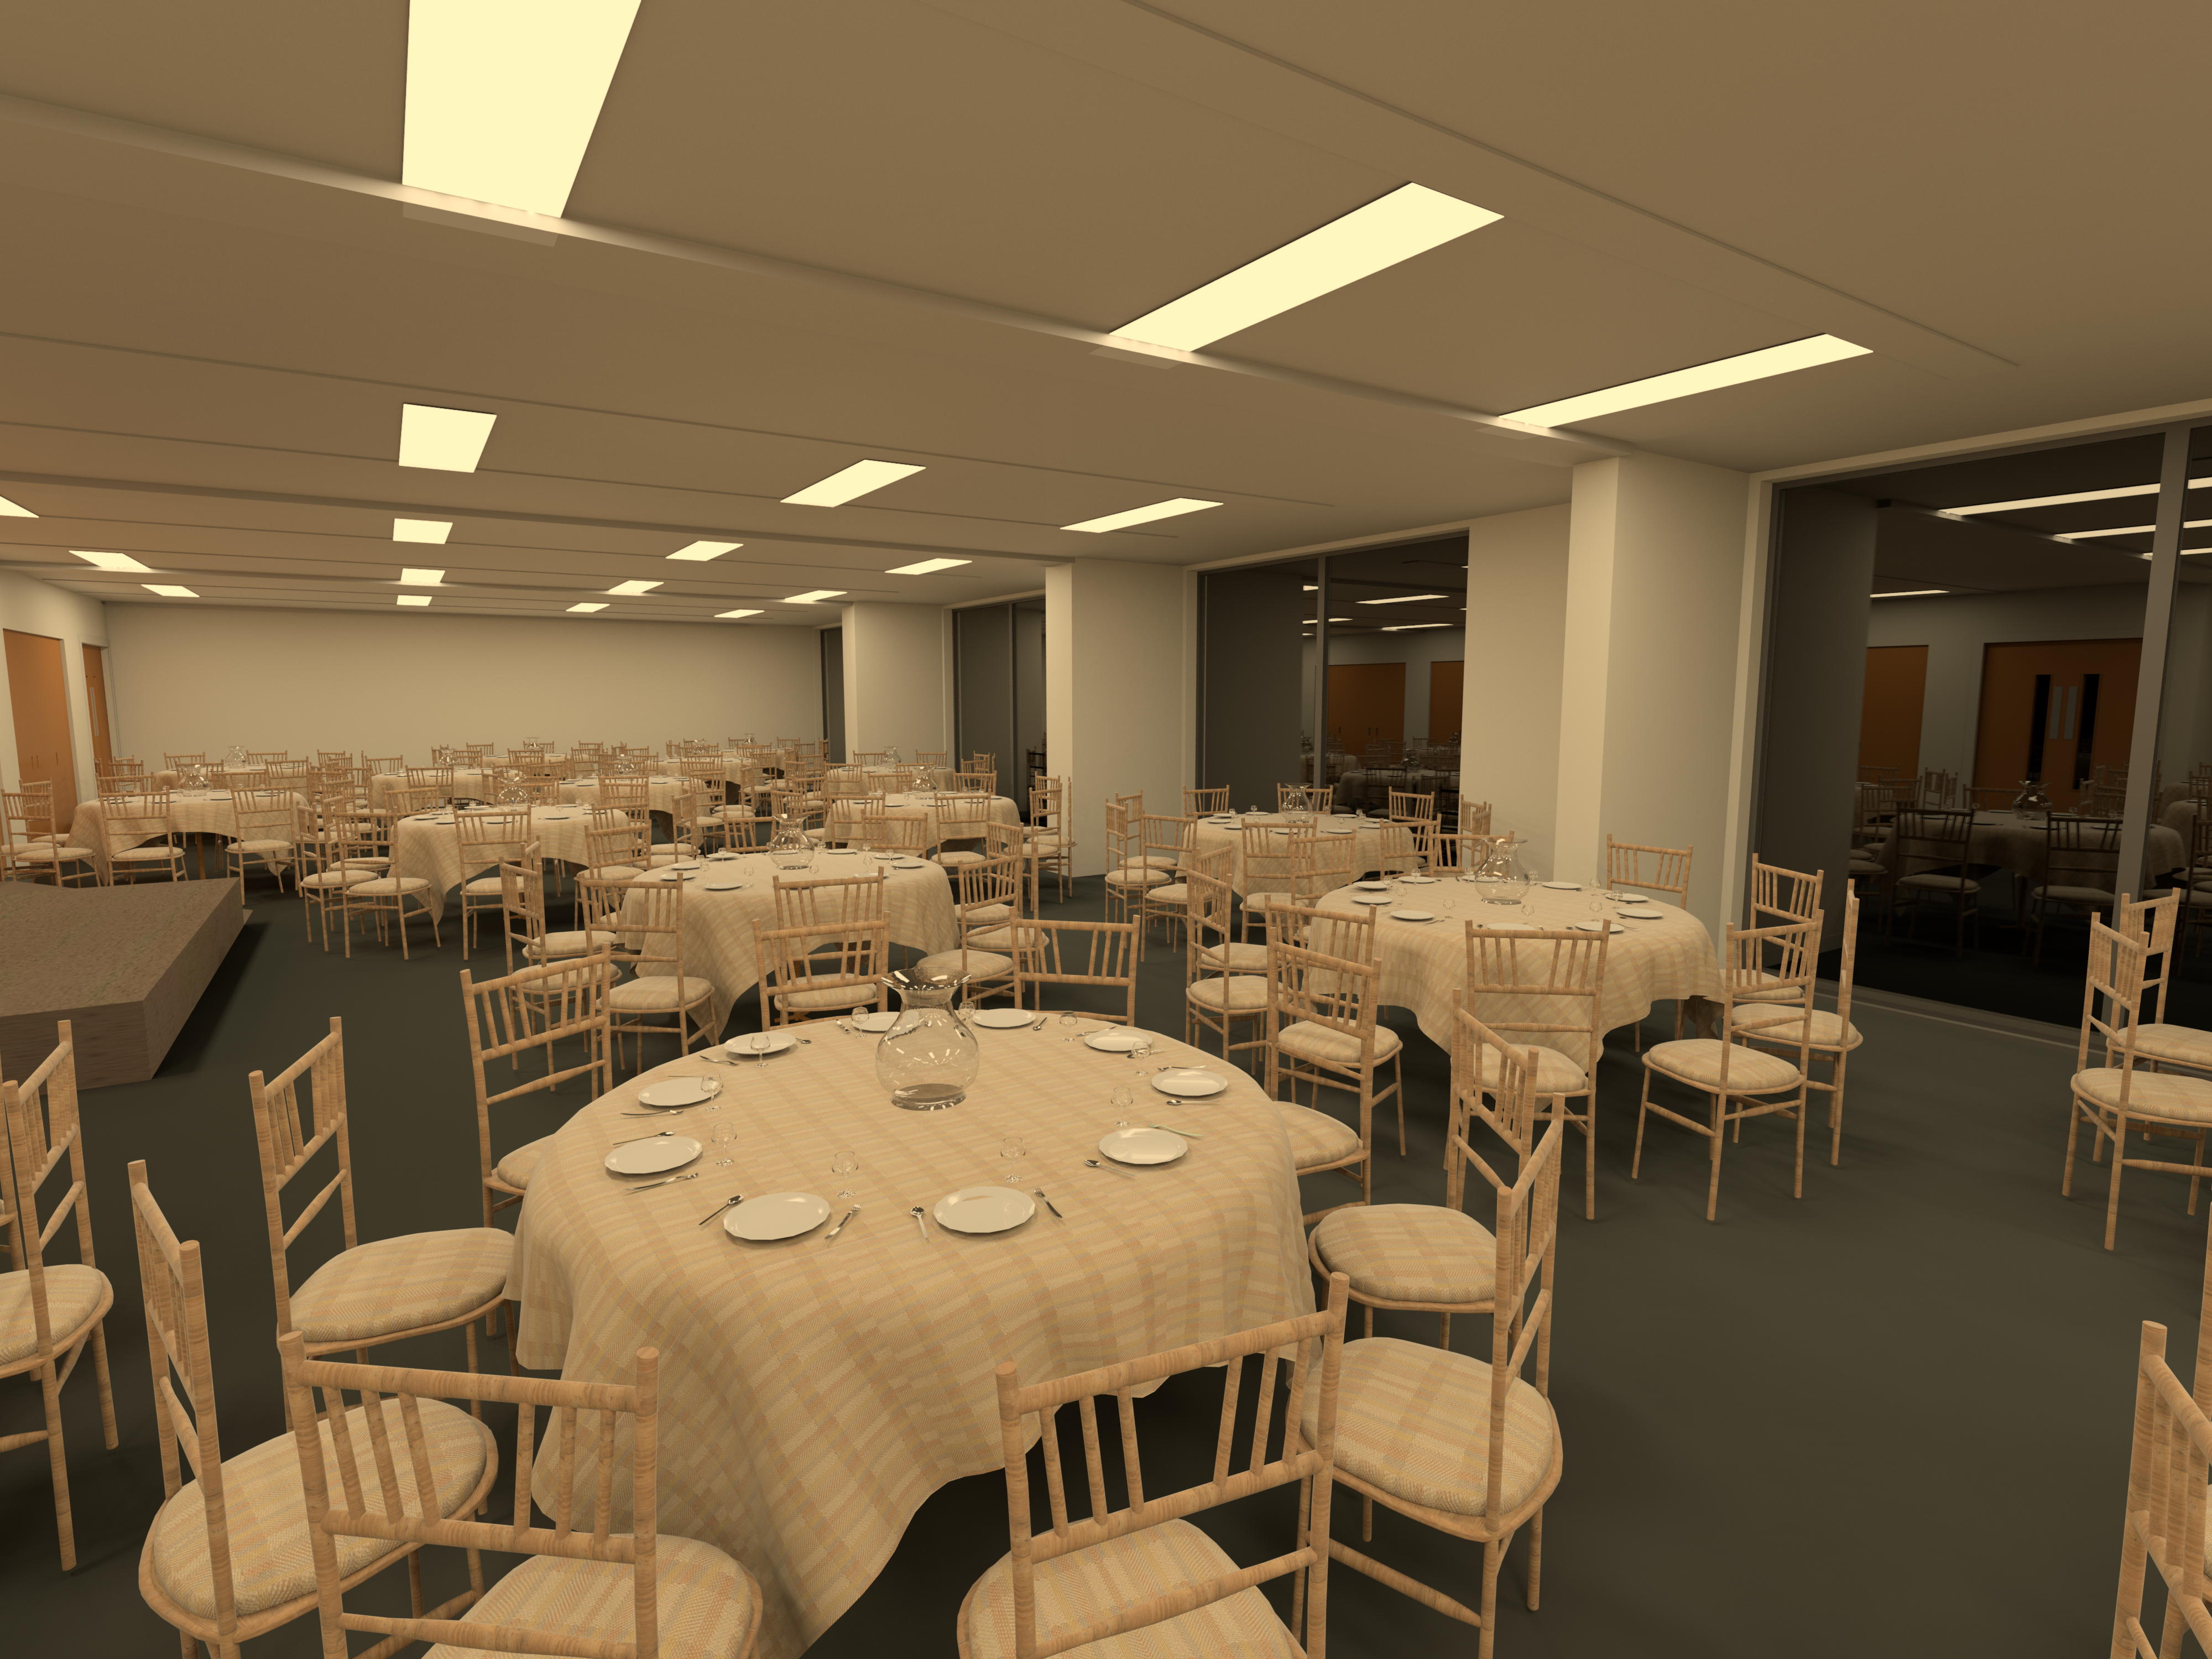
[(2033, 797), (789, 849), (929, 1056), (236, 757), (506, 786), (1499, 873)]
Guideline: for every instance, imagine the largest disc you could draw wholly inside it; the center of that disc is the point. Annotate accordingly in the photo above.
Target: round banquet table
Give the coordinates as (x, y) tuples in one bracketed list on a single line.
[(1366, 836), (2015, 841), (840, 821), (661, 792), (192, 811), (466, 783), (1425, 961), (428, 844), (813, 1395)]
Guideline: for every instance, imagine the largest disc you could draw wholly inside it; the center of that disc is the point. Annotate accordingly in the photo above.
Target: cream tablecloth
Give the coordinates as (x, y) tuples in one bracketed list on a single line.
[(813, 1395), (1425, 961), (194, 811), (428, 845), (2015, 841), (466, 783), (840, 821), (1365, 833)]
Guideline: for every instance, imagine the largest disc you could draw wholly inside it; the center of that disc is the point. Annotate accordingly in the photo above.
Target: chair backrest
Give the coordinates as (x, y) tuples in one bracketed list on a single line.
[(177, 762), (1493, 1083), (2170, 1451), (1314, 1346), (1125, 835), (1654, 869), (402, 801), (1474, 817), (631, 790), (534, 1009), (1338, 994), (116, 766), (2154, 921), (615, 840), (1555, 981), (882, 829), (1170, 834), (44, 1133), (1320, 864), (987, 891), (287, 1146), (583, 1524), (141, 816), (491, 834), (1210, 911), (438, 781), (1272, 859), (1407, 806), (1931, 838), (961, 817), (826, 974), (649, 925), (1783, 894), (2081, 852), (30, 810), (830, 904), (1304, 798), (1773, 968), (2112, 1000), (262, 814), (1197, 801), (1107, 951), (1347, 933)]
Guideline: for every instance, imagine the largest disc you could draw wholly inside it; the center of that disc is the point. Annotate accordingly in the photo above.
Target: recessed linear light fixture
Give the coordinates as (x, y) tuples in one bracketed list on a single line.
[(421, 530), (1403, 599), (631, 590), (700, 552), (1909, 593), (2026, 501), (593, 605), (1408, 627), (502, 95), (817, 596), (734, 614), (413, 599), (168, 591), (1309, 621), (1387, 231), (15, 509), (2131, 529), (1175, 509), (1760, 365), (112, 561), (924, 567), (410, 577), (1313, 587), (858, 479), (445, 440)]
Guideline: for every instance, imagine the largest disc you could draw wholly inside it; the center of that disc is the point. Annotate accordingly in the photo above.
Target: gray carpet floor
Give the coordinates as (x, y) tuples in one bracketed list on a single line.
[(1891, 1416)]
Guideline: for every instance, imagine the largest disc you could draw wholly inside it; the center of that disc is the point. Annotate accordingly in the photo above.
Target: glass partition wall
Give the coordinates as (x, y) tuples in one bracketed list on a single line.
[(1985, 706), (998, 708)]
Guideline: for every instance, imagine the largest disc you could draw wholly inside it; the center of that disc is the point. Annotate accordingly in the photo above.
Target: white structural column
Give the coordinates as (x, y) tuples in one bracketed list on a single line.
[(1516, 602), (898, 677), (1655, 590), (1119, 660)]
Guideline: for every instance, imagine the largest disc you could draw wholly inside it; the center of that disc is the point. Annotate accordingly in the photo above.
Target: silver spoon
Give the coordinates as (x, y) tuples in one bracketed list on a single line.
[(1094, 1163), (921, 1225), (734, 1197), (634, 1139)]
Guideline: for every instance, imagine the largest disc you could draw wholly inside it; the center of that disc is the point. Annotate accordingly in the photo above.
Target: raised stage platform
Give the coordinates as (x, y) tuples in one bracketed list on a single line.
[(125, 964)]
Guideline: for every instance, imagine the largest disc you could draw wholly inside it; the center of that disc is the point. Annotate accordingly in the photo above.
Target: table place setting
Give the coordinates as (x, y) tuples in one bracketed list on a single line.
[(760, 1045)]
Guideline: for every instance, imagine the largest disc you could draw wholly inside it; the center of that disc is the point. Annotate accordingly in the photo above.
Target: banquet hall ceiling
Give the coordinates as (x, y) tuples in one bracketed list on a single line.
[(806, 235)]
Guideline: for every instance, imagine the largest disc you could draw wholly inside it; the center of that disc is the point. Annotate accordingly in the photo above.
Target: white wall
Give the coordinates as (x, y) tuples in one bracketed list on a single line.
[(1516, 607), (1117, 690), (898, 678), (1955, 627), (191, 677), (28, 605)]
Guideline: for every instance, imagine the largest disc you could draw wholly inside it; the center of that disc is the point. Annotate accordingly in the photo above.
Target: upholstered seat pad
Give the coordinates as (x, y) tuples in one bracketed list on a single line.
[(2150, 1094), (1828, 1031), (1556, 1074), (1175, 892), (1136, 876), (261, 846), (336, 878), (708, 1605), (46, 853), (387, 886), (2064, 895), (159, 849), (518, 1165), (1308, 1041), (1936, 884), (828, 996), (661, 993), (1317, 1138), (1410, 1252), (1238, 958), (1000, 938), (1698, 1060), (1414, 1421), (266, 1507), (977, 964), (575, 943), (1094, 1584), (482, 887), (72, 1293), (2174, 1045), (1239, 993), (402, 1284)]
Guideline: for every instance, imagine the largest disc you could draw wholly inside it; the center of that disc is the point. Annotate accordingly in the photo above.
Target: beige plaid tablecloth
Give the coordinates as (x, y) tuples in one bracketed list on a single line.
[(466, 783), (1366, 837), (717, 928), (2015, 841), (841, 821), (1425, 961), (661, 792), (192, 811), (813, 1395), (424, 846)]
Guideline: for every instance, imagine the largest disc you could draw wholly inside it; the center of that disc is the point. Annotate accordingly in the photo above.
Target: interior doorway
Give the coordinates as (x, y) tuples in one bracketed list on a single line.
[(1890, 712), (1367, 708), (2058, 712), (1447, 689), (95, 703), (38, 690)]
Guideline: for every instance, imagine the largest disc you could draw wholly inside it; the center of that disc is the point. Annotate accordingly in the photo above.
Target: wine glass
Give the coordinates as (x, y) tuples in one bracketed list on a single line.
[(723, 1133), (844, 1166), (1123, 1100), (1068, 1028), (1014, 1149)]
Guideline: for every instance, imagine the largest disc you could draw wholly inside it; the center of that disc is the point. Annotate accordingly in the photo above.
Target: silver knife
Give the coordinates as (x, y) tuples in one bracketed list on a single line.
[(693, 1175), (1049, 1204), (840, 1227), (1188, 1134)]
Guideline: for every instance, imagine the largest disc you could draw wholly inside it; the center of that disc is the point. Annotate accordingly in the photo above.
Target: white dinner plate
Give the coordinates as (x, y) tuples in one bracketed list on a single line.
[(1002, 1020), (1642, 915), (1418, 881), (1370, 898), (774, 1043), (842, 852), (776, 1215), (653, 1156), (1143, 1146), (677, 1091), (1412, 915), (911, 863), (1592, 927), (723, 858), (877, 1020), (683, 864), (1372, 886), (1557, 886), (885, 858), (983, 1210), (1189, 1083), (671, 874), (1331, 830), (1117, 1040), (712, 886)]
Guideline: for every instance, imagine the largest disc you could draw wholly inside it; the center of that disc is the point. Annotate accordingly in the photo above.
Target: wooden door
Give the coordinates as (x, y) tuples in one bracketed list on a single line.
[(1447, 683), (95, 703), (1366, 705), (1889, 716), (39, 694), (2055, 709)]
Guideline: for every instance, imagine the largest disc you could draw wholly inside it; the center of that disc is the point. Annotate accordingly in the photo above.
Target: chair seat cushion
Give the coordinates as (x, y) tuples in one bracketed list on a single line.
[(1828, 1031), (1237, 958), (336, 878), (1697, 1061), (518, 1165), (154, 850), (266, 1505), (1936, 884), (839, 997), (390, 886), (2063, 895), (1091, 1585), (1414, 1421), (402, 1284), (2174, 1045), (988, 913), (706, 1604), (660, 993), (1237, 993), (579, 942), (1317, 1138), (1307, 1041), (955, 858), (978, 964), (613, 871), (73, 1292), (482, 887), (1136, 875), (261, 846), (2150, 1094), (1556, 1074), (1002, 939), (1159, 860), (1175, 892), (1410, 1252), (47, 852), (1862, 865)]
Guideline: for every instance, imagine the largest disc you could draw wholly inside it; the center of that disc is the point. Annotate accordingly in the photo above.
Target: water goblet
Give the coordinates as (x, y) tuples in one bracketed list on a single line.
[(1014, 1149), (1123, 1101), (1068, 1028), (723, 1133), (844, 1165)]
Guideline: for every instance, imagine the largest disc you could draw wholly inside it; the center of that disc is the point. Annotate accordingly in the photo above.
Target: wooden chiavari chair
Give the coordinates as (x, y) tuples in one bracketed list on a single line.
[(489, 836), (367, 837), (2079, 870), (1078, 1584), (534, 1011), (962, 820), (52, 1312), (1928, 863), (1128, 870), (1742, 1081), (177, 763), (1654, 869), (222, 1558), (1015, 842), (1107, 953), (900, 831), (1321, 1029), (142, 837), (1304, 798), (650, 921), (1169, 843), (117, 766), (263, 822), (32, 849), (987, 901), (1216, 994), (522, 898), (263, 756), (808, 974), (1554, 983), (1199, 803), (1409, 806), (370, 1293), (1051, 835), (1832, 1037), (438, 781), (121, 783), (2170, 1452), (2159, 1043), (617, 847), (319, 834)]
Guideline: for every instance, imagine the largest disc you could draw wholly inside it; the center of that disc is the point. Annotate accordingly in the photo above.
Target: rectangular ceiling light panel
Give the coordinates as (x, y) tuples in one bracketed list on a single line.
[(12, 510), (817, 596), (1408, 627), (856, 480), (924, 567), (1404, 598), (112, 561), (1393, 228), (168, 592), (1685, 382), (733, 614), (1910, 593), (700, 552), (446, 439), (421, 530), (1175, 509), (2026, 501), (413, 599), (630, 590), (502, 95), (411, 577), (594, 606)]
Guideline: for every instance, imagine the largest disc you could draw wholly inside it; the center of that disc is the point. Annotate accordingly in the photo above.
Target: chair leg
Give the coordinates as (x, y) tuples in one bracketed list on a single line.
[(57, 1463), (2073, 1136), (1493, 1557), (2119, 1169), (1535, 1558), (1720, 1141), (1636, 1164), (1836, 1109)]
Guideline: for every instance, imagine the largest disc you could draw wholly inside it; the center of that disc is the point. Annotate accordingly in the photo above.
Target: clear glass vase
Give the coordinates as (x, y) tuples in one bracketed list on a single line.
[(1498, 873), (788, 849), (2033, 797), (929, 1056)]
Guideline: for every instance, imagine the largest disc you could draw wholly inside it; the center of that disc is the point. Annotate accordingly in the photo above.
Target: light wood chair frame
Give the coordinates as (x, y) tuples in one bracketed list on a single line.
[(1103, 947), (1550, 969), (368, 836), (1837, 1054), (2084, 847), (533, 1010), (264, 810), (146, 820), (808, 958), (1943, 837), (1309, 986), (489, 837)]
